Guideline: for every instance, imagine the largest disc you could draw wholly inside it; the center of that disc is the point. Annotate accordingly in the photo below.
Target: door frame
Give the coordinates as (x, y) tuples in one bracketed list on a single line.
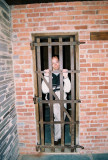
[(34, 35)]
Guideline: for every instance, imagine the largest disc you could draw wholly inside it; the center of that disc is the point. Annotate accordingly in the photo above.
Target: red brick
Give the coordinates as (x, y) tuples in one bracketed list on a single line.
[(15, 20), (92, 69), (103, 87), (92, 96), (89, 12), (97, 92), (92, 87), (67, 27), (18, 16), (39, 19), (74, 13), (85, 65), (20, 84), (80, 17), (82, 60), (19, 6), (92, 78), (53, 9), (46, 14), (101, 21), (25, 57), (33, 24), (91, 129), (95, 27), (62, 23), (19, 71), (23, 34), (26, 11), (102, 104), (85, 46), (90, 113), (73, 22), (81, 7), (74, 3), (33, 15), (20, 93), (105, 16), (18, 97), (86, 101), (81, 27), (103, 96), (18, 25), (46, 23), (105, 100), (19, 61), (103, 69), (29, 101), (95, 7), (47, 4), (95, 125), (33, 5), (89, 3), (53, 28), (40, 10), (28, 114), (98, 65), (60, 4), (25, 29), (26, 75), (22, 110), (103, 12)]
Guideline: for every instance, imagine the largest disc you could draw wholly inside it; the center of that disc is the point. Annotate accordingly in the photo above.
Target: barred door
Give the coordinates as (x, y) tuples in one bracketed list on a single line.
[(66, 48)]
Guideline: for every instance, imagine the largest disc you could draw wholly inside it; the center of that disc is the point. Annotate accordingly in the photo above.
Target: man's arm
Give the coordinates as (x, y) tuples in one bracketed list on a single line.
[(67, 85), (66, 80), (45, 88)]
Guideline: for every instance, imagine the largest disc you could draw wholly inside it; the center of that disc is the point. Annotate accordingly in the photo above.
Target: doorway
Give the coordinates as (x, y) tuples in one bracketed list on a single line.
[(65, 47)]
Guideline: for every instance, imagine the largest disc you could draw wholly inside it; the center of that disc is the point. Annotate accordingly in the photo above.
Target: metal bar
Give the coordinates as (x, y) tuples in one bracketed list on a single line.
[(61, 93), (72, 90), (50, 93), (59, 101), (40, 92), (57, 122), (58, 43), (59, 71), (37, 105), (66, 146), (77, 88), (55, 96), (53, 93)]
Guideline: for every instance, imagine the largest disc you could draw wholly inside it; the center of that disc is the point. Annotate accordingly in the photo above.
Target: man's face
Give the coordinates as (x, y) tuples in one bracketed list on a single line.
[(55, 63)]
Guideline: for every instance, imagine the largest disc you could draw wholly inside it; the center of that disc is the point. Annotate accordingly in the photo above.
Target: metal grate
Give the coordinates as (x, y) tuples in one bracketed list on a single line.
[(55, 46)]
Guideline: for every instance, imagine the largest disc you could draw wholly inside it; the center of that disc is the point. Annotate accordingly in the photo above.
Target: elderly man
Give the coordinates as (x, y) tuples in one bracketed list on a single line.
[(56, 89)]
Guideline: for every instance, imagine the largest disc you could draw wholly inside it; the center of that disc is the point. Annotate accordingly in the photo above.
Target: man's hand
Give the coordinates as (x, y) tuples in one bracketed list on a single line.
[(65, 74), (46, 72)]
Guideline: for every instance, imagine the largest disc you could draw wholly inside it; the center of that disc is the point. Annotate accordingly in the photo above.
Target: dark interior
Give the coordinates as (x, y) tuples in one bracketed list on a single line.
[(19, 2)]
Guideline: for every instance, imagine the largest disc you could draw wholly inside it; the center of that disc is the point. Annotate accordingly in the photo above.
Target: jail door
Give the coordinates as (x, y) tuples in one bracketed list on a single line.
[(65, 48)]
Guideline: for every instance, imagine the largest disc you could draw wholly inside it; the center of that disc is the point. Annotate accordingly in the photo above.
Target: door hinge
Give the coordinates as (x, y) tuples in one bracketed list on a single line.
[(37, 99), (78, 42), (32, 45)]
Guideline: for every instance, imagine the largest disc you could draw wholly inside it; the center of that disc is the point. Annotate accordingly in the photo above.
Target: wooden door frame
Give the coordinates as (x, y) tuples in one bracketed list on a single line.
[(34, 35)]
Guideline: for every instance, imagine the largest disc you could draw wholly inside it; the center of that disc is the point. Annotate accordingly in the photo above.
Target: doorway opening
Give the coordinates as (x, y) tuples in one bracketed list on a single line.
[(65, 47)]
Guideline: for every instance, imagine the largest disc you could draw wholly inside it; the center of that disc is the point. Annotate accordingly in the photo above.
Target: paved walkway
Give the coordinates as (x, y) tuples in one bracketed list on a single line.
[(66, 157)]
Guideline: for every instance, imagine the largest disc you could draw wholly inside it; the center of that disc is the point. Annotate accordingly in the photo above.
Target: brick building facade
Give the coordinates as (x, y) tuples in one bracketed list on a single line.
[(78, 17)]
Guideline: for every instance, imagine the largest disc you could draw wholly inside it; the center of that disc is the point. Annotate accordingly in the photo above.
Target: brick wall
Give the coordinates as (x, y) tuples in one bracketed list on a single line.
[(8, 128), (80, 17)]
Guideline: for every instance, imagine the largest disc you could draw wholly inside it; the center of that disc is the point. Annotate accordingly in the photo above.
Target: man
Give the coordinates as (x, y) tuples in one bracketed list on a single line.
[(56, 89)]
